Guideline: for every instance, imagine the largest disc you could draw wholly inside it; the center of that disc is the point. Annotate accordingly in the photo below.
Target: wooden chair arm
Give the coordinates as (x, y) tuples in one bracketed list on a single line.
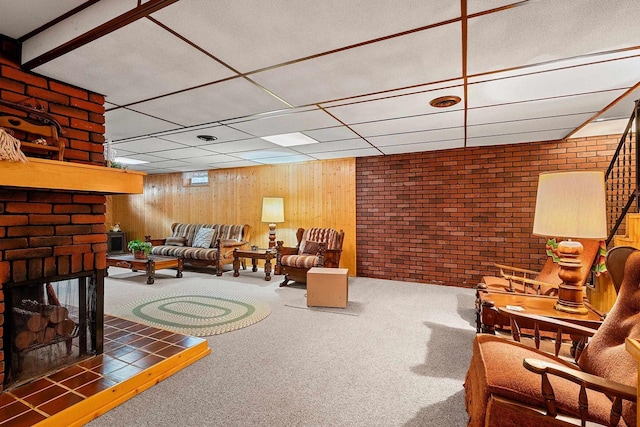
[(549, 322), (283, 250), (615, 391), (515, 269), (227, 243), (527, 281)]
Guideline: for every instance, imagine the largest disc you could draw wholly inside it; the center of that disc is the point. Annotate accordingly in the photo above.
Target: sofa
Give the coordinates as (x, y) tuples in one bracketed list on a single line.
[(203, 244)]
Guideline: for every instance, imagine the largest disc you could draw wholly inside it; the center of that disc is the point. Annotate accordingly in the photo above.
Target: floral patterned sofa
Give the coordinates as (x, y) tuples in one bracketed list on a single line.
[(203, 244)]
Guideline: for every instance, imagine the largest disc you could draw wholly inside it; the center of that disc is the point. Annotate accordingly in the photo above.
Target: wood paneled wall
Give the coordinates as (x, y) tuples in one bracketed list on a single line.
[(316, 194)]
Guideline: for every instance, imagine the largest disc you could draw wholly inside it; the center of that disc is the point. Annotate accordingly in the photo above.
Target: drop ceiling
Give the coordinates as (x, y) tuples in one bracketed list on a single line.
[(357, 76)]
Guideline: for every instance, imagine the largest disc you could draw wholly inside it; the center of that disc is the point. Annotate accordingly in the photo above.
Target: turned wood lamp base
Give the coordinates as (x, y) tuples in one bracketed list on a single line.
[(570, 294)]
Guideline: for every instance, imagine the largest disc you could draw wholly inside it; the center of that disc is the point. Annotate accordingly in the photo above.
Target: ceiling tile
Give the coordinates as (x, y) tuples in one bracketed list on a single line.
[(279, 30), (359, 152), (623, 108), (396, 106), (258, 155), (206, 159), (147, 145), (428, 146), (341, 74), (529, 125), (123, 123), (450, 119), (235, 164), (323, 147), (558, 28), (182, 153), (418, 137), (296, 158), (190, 136), (618, 74), (475, 6), (154, 61), (331, 134), (587, 103), (32, 15), (286, 123), (516, 138), (225, 100), (239, 146)]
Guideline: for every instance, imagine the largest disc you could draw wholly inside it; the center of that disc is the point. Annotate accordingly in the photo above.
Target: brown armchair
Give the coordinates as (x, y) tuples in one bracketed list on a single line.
[(317, 247), (544, 282), (509, 383)]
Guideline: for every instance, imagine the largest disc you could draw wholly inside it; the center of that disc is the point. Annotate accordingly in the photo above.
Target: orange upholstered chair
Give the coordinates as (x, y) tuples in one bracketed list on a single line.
[(317, 247), (545, 282), (511, 384)]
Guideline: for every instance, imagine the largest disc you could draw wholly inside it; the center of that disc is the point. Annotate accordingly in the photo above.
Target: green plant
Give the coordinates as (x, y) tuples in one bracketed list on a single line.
[(139, 246)]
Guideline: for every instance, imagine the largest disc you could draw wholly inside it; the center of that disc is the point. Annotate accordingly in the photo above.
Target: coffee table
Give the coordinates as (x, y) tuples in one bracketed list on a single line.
[(488, 316), (149, 265), (266, 254)]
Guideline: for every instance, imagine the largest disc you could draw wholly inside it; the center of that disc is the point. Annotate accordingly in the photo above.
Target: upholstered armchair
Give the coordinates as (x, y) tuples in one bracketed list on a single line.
[(544, 282), (317, 247), (509, 383)]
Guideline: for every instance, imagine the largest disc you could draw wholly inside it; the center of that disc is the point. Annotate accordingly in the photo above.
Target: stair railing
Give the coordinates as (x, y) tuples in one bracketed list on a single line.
[(622, 179)]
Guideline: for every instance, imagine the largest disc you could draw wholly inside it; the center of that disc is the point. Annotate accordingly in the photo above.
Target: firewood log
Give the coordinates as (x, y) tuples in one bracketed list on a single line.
[(33, 321), (58, 314), (65, 328), (24, 339)]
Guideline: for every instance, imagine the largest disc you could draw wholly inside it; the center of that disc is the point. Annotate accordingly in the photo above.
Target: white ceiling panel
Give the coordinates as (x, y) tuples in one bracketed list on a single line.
[(367, 69), (541, 31), (296, 158), (476, 6), (147, 145), (220, 132), (623, 108), (271, 153), (224, 100), (211, 159), (74, 26), (452, 119), (287, 123), (427, 146), (183, 153), (324, 147), (242, 26), (33, 14), (360, 152), (235, 164), (123, 123), (169, 164), (156, 61), (619, 74), (239, 146), (529, 125), (331, 134), (587, 103), (418, 137), (399, 106), (516, 138), (144, 157)]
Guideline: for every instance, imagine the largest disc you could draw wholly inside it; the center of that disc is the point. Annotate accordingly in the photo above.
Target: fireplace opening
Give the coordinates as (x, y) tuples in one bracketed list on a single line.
[(50, 325)]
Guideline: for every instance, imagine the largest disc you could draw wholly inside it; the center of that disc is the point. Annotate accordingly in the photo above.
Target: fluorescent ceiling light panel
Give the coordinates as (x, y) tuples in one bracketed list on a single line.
[(127, 161), (290, 139)]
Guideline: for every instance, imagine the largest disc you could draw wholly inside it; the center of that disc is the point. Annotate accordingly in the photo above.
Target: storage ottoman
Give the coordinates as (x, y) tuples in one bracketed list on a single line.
[(327, 287)]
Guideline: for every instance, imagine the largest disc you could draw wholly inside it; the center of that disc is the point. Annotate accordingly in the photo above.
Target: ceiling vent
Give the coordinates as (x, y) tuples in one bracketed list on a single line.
[(444, 101)]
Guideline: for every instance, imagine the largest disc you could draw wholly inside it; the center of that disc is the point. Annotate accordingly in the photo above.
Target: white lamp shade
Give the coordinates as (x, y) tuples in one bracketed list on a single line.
[(571, 204), (272, 209)]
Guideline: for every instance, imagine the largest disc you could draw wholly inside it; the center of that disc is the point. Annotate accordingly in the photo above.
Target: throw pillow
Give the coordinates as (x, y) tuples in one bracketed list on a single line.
[(175, 241), (311, 248), (203, 238)]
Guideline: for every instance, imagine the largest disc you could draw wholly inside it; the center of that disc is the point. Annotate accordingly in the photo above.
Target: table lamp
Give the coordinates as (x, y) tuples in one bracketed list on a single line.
[(571, 204), (272, 212)]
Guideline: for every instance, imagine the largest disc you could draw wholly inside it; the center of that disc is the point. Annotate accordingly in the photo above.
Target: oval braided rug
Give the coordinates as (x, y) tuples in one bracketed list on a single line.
[(196, 314)]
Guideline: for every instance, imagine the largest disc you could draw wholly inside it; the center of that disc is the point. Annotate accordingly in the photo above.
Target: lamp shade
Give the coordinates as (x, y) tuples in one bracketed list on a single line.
[(571, 204), (272, 209)]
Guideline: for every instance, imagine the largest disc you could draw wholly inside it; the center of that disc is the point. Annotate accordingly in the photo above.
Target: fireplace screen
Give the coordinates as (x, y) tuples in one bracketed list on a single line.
[(52, 325)]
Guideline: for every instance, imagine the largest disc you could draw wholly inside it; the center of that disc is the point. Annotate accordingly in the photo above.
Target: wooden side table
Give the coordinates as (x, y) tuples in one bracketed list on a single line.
[(266, 254)]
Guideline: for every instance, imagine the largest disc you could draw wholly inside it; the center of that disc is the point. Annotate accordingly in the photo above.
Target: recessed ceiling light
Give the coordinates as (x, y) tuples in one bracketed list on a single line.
[(208, 138), (127, 161), (290, 139), (444, 101)]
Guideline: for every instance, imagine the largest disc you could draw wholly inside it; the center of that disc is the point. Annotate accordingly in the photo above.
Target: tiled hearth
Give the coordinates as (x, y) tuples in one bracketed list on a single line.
[(135, 358)]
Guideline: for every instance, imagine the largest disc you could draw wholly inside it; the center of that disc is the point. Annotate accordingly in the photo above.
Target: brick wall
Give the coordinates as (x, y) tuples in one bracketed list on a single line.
[(446, 216), (46, 234)]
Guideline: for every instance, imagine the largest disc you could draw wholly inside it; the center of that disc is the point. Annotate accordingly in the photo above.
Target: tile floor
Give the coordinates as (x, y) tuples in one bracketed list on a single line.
[(129, 348)]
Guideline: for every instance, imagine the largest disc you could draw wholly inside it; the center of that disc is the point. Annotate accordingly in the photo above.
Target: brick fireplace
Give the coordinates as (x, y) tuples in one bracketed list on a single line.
[(52, 213)]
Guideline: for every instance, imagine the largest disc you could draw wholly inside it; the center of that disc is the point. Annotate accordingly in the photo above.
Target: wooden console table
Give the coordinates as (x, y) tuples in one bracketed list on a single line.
[(266, 254), (149, 265)]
